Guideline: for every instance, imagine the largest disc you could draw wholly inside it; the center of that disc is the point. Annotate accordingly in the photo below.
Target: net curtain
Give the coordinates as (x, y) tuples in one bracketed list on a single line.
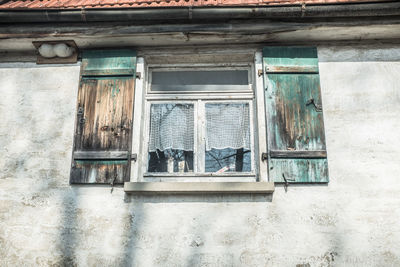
[(172, 126), (228, 126)]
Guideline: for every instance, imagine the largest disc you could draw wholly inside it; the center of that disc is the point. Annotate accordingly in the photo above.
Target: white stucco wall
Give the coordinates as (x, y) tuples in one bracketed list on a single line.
[(352, 221)]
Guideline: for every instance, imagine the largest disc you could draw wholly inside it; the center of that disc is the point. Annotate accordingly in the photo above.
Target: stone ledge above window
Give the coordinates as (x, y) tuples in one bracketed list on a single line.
[(199, 187)]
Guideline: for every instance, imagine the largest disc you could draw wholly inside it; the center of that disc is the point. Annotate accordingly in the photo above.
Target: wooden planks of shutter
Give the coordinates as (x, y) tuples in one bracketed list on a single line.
[(295, 125), (103, 130)]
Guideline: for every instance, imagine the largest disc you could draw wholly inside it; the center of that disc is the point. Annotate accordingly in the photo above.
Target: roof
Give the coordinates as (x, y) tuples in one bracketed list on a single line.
[(79, 4)]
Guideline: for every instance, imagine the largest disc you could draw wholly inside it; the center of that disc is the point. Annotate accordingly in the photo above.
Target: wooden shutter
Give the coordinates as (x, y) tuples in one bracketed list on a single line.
[(295, 125), (103, 130)]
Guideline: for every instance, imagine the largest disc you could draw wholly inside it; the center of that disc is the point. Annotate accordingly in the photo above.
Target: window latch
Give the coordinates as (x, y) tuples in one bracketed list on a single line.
[(318, 108)]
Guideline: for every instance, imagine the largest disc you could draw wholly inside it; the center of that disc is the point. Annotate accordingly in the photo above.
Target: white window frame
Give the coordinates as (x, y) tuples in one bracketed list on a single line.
[(144, 97)]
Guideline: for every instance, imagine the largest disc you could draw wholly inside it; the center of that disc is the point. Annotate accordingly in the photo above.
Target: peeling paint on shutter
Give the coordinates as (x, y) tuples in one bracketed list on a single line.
[(103, 131), (295, 125)]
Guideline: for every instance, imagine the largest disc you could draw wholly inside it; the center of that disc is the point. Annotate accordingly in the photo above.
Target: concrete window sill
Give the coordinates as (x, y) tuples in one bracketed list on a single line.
[(199, 187)]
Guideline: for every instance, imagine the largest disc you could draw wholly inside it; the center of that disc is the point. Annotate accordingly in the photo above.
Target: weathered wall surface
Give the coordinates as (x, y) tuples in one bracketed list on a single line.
[(353, 221)]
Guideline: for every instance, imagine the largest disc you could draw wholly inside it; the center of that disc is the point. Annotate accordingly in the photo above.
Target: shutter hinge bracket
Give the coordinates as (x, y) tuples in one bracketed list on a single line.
[(138, 75), (286, 185), (80, 111), (134, 157), (264, 156), (260, 72)]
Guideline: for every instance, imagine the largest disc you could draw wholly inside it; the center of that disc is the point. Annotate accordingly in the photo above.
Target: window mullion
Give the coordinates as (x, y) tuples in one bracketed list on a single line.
[(201, 141)]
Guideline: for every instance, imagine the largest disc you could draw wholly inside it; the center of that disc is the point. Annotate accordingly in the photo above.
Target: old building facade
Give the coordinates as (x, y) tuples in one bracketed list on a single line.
[(199, 133)]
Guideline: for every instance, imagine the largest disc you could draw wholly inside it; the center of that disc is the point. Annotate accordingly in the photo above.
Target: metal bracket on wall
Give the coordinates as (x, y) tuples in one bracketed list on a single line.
[(112, 184), (286, 185), (134, 157), (138, 75), (264, 156)]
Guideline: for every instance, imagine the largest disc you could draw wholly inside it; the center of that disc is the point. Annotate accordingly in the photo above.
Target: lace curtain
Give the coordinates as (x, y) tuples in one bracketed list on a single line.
[(171, 127), (228, 126)]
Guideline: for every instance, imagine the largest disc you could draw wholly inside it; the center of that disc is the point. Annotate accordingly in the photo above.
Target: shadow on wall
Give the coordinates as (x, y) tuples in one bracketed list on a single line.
[(181, 236), (69, 228), (206, 198), (37, 110), (134, 218)]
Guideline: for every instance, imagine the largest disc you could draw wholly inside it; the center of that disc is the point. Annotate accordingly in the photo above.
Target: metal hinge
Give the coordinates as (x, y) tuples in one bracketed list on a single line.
[(264, 156), (134, 157), (138, 75), (260, 72), (80, 111)]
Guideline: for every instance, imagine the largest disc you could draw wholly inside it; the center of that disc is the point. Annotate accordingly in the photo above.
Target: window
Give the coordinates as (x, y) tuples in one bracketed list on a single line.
[(199, 122), (220, 117)]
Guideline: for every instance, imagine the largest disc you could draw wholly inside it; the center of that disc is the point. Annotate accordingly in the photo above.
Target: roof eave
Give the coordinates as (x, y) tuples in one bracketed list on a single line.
[(200, 13)]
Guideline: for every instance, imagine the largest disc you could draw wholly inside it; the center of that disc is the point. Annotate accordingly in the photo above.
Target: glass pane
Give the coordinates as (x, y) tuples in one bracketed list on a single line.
[(228, 137), (171, 160), (171, 139), (200, 80), (228, 160)]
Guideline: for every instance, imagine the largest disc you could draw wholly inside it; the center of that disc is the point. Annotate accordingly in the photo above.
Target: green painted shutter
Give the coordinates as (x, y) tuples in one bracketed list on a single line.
[(103, 130), (295, 125)]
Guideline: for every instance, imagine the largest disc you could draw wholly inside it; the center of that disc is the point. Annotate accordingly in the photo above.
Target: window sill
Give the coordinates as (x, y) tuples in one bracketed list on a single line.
[(199, 187)]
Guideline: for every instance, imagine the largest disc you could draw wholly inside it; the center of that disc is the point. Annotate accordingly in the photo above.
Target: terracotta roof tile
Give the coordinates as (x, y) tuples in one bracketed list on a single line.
[(78, 4)]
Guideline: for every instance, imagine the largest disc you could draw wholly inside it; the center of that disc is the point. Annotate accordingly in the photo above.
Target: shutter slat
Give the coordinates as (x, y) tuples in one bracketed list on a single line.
[(295, 125), (108, 62), (99, 171), (111, 72), (299, 170), (291, 69), (297, 154), (106, 106), (112, 155), (290, 56)]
